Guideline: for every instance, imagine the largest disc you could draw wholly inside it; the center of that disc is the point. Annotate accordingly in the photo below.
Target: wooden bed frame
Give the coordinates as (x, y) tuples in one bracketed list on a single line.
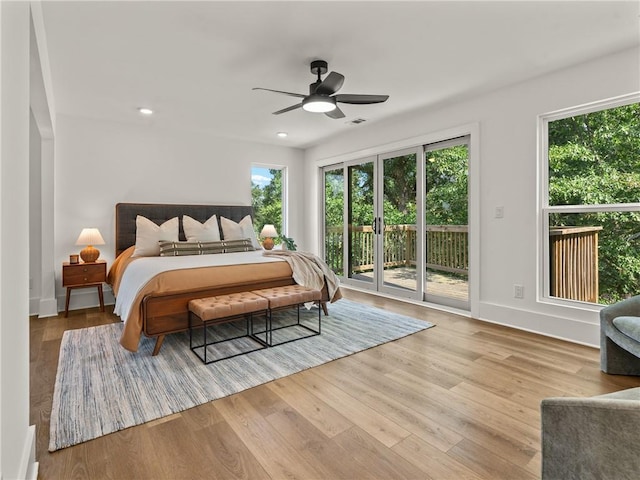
[(163, 314)]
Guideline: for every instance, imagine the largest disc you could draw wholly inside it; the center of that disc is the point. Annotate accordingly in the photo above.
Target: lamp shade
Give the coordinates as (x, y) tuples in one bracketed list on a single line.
[(268, 231), (90, 237)]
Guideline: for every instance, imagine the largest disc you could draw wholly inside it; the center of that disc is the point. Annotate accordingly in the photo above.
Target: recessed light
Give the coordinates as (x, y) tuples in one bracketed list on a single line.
[(145, 111), (282, 134)]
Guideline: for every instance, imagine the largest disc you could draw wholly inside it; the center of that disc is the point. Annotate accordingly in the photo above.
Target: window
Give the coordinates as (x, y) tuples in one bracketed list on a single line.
[(268, 197), (591, 201)]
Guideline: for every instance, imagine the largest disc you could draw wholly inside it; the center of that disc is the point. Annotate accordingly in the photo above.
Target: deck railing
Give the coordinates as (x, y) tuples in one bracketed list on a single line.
[(573, 254), (447, 247)]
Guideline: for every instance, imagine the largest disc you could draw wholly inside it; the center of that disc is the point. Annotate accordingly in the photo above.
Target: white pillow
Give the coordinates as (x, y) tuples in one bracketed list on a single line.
[(148, 234), (237, 231), (201, 232)]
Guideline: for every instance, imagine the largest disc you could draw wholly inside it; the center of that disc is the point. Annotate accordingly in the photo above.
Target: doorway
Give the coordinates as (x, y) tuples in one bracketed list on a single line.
[(398, 222)]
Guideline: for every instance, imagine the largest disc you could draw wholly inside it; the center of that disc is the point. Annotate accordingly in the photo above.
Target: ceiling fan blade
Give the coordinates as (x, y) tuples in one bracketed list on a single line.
[(299, 95), (360, 99), (331, 84), (288, 109), (337, 113)]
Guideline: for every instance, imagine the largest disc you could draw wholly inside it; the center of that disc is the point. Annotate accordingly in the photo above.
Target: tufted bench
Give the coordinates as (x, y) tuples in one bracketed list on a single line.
[(285, 297), (205, 312)]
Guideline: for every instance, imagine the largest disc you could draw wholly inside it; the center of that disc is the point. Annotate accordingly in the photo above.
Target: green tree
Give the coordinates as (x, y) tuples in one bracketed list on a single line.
[(400, 190), (361, 198), (334, 211), (447, 175), (334, 197)]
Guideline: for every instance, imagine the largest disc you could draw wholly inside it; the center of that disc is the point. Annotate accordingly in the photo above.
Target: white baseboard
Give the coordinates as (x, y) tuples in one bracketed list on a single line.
[(48, 307), (583, 332), (85, 298), (28, 465), (34, 306)]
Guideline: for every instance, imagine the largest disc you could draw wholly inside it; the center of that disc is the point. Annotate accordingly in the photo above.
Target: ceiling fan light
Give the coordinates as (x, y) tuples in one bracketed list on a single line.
[(319, 104)]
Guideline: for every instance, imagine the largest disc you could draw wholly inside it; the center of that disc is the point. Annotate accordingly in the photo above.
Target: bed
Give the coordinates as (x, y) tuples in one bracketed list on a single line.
[(161, 307)]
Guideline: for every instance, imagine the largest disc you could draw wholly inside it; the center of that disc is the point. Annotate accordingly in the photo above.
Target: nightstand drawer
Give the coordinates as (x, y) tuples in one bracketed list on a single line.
[(84, 273)]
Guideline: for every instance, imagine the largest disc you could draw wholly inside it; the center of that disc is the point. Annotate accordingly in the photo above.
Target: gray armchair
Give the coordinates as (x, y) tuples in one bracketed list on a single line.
[(620, 337), (591, 438)]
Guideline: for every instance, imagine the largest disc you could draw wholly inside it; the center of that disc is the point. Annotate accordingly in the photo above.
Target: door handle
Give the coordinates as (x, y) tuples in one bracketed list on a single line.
[(377, 225)]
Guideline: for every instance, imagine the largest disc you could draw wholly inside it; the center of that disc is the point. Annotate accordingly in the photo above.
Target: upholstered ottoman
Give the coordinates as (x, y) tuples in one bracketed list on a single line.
[(286, 297), (206, 312)]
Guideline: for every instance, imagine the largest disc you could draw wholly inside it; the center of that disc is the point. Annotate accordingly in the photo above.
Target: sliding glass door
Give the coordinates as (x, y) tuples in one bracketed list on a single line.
[(361, 214), (398, 222), (446, 220), (334, 254), (396, 225), (379, 222)]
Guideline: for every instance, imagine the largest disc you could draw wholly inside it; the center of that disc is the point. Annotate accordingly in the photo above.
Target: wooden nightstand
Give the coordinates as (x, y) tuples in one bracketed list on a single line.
[(83, 275)]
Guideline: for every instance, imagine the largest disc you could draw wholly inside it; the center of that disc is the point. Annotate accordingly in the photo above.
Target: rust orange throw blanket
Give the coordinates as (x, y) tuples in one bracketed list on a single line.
[(309, 270)]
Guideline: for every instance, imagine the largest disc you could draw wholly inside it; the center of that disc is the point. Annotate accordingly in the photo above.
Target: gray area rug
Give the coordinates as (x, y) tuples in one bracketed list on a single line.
[(102, 388)]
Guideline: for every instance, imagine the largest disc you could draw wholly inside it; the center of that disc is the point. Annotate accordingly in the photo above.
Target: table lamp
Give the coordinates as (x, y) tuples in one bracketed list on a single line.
[(268, 233), (90, 237)]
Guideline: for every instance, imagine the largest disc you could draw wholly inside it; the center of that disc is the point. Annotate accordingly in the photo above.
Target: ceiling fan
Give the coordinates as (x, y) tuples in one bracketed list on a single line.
[(321, 98)]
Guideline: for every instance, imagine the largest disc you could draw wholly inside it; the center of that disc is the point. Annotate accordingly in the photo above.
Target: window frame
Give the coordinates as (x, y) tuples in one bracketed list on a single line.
[(545, 210)]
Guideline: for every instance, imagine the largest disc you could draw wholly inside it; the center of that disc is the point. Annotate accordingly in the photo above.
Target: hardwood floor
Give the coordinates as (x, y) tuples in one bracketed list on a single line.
[(458, 401)]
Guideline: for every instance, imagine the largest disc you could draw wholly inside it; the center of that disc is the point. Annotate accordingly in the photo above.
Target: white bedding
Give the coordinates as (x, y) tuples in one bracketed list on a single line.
[(140, 271)]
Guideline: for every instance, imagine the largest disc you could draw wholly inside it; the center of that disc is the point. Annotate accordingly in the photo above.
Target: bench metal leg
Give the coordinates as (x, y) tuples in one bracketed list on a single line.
[(248, 333), (297, 324)]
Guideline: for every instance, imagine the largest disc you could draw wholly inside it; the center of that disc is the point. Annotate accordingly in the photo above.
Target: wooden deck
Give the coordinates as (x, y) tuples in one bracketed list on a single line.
[(438, 283)]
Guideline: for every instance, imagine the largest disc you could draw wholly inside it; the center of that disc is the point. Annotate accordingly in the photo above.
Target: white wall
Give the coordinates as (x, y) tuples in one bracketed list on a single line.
[(41, 158), (99, 164), (35, 217), (17, 439), (508, 171)]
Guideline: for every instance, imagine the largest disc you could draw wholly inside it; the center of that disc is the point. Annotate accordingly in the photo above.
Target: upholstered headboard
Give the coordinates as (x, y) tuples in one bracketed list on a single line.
[(159, 213)]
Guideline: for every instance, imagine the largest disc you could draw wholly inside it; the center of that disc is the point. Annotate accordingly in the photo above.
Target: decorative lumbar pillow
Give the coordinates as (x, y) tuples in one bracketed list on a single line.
[(148, 234), (201, 232), (237, 231), (177, 249)]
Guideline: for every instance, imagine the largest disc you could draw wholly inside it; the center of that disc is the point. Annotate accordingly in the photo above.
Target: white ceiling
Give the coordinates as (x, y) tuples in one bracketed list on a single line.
[(195, 63)]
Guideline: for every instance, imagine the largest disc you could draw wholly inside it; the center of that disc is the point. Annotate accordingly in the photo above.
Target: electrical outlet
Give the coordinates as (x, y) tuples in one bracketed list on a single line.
[(499, 212), (518, 291)]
